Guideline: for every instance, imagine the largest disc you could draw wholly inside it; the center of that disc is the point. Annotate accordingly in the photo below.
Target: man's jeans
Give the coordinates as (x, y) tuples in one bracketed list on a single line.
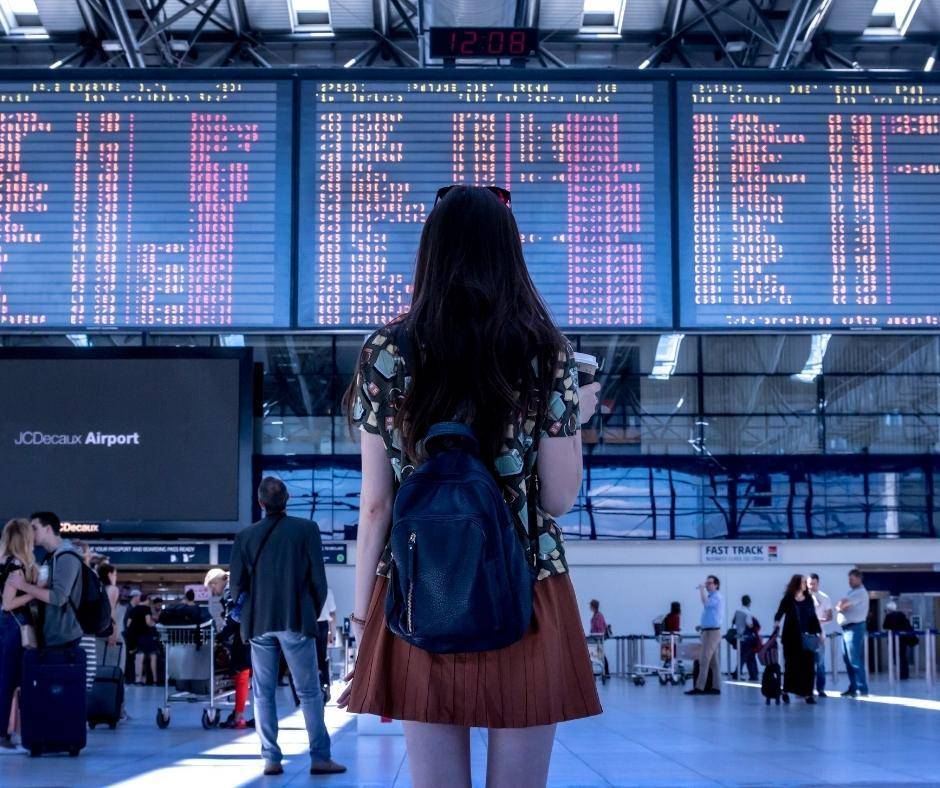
[(821, 666), (853, 652), (747, 657), (301, 655)]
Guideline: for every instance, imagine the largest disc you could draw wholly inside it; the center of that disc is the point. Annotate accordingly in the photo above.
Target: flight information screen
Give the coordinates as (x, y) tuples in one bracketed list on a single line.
[(586, 162), (809, 204), (131, 203)]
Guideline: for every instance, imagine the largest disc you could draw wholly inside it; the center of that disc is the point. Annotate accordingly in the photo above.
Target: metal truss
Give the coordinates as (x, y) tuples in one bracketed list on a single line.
[(746, 34), (694, 34), (117, 35)]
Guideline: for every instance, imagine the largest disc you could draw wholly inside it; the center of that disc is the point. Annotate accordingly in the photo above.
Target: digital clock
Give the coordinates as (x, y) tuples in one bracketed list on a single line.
[(483, 42)]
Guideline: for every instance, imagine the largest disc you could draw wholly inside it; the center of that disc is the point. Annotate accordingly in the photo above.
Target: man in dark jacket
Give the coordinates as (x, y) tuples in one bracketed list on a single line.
[(897, 622), (278, 563)]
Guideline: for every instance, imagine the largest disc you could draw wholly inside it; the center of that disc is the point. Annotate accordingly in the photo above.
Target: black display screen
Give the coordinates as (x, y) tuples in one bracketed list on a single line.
[(140, 203), (809, 204), (155, 440), (587, 163)]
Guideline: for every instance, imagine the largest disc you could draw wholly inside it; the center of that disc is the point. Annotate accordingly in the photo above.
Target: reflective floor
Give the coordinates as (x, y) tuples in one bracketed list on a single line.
[(648, 735)]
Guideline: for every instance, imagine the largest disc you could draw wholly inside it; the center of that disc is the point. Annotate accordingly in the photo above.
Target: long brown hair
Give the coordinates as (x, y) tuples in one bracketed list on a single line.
[(17, 542), (482, 341), (795, 585)]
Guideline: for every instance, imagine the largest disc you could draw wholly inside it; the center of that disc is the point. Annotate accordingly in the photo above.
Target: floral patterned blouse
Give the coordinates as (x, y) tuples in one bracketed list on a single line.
[(382, 381)]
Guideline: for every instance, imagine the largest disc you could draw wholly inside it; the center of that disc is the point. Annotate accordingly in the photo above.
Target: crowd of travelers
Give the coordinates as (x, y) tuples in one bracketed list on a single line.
[(61, 609)]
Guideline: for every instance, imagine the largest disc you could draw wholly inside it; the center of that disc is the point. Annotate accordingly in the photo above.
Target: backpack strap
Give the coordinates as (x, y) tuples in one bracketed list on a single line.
[(254, 563), (78, 579)]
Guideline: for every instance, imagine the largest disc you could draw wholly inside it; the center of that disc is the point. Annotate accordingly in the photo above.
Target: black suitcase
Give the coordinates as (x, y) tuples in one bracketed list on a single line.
[(770, 683), (52, 704), (107, 694)]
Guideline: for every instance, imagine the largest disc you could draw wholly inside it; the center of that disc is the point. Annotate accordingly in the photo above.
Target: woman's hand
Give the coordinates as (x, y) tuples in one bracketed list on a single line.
[(113, 639), (343, 700), (587, 396)]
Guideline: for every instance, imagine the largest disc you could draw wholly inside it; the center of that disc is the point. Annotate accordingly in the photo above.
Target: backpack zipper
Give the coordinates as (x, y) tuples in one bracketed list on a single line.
[(411, 580)]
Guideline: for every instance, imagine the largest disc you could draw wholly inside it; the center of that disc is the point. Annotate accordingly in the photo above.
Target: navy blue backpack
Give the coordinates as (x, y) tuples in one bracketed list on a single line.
[(459, 580)]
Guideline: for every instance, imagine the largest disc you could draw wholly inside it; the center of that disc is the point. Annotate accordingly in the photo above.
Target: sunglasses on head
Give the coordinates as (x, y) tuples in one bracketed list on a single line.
[(501, 194)]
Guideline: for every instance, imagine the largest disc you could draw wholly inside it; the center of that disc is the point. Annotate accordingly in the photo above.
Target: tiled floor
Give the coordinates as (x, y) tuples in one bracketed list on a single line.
[(648, 735)]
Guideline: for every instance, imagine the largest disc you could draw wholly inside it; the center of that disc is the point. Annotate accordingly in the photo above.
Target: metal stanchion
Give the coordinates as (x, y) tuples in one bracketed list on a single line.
[(915, 663), (930, 654), (894, 660)]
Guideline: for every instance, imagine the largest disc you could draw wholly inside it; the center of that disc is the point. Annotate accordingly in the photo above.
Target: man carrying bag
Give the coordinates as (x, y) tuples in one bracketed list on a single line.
[(277, 563)]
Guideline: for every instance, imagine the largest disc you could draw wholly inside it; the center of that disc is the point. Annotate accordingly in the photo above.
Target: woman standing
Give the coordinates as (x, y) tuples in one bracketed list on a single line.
[(16, 555), (108, 576), (800, 638), (599, 627), (478, 346)]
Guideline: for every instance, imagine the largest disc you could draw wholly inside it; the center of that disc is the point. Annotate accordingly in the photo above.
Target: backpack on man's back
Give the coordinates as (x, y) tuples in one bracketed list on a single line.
[(93, 611)]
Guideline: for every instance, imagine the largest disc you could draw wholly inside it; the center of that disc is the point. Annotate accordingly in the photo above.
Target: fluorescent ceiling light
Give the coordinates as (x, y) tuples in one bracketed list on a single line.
[(232, 340), (311, 14), (892, 17), (667, 356), (79, 340), (22, 18), (812, 369), (604, 14)]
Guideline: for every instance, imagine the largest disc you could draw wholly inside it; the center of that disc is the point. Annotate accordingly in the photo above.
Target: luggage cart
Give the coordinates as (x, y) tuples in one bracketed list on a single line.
[(595, 644), (195, 636), (677, 653)]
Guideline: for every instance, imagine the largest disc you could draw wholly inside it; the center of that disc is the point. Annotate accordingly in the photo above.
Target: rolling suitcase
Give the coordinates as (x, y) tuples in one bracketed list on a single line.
[(107, 694), (52, 704)]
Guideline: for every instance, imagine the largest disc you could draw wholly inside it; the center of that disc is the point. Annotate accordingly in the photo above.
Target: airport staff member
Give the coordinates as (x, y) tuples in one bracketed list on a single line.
[(713, 615)]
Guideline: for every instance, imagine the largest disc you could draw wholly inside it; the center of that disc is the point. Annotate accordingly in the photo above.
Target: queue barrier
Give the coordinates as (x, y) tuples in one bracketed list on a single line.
[(630, 655)]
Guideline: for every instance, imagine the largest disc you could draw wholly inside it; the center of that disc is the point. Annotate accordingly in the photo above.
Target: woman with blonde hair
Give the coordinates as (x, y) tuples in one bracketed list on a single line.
[(16, 555)]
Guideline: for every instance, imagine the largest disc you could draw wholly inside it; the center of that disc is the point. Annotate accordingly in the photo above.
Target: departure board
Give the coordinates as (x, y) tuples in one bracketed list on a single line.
[(586, 162), (809, 204), (127, 203)]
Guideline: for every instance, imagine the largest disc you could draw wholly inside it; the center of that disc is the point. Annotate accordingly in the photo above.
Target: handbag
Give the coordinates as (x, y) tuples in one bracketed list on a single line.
[(810, 642)]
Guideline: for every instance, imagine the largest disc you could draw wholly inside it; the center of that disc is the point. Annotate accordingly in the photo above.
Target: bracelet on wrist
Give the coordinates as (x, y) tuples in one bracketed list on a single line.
[(356, 620)]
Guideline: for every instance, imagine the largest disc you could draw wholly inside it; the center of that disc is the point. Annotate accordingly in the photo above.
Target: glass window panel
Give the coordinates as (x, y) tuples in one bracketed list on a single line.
[(634, 354), (276, 435), (746, 394), (882, 394), (183, 340), (882, 434), (759, 354), (761, 435), (878, 354), (62, 340), (298, 373)]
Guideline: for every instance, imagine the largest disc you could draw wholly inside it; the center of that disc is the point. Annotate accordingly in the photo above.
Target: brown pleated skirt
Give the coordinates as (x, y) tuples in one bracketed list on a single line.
[(544, 678)]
